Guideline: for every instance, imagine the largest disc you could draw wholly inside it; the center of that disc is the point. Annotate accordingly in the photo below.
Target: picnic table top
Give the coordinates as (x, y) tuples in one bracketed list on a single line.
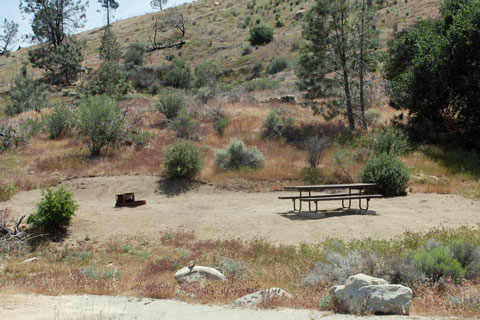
[(330, 186)]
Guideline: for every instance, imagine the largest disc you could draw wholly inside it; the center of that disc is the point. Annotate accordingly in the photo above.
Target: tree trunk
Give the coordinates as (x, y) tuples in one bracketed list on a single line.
[(348, 98), (362, 67)]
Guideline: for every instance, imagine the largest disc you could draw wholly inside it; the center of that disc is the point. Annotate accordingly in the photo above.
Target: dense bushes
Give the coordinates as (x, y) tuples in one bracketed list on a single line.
[(277, 65), (101, 122), (59, 122), (109, 79), (54, 211), (185, 127), (260, 34), (391, 141), (237, 156), (133, 57), (261, 84), (178, 74), (182, 159), (206, 74), (390, 175), (171, 102)]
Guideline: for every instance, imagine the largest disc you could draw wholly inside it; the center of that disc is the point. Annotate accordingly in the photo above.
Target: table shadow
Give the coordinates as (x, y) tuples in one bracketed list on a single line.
[(324, 214)]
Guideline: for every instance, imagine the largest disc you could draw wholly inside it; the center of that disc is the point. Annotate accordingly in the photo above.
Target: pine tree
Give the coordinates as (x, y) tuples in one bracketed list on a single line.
[(109, 48), (109, 5)]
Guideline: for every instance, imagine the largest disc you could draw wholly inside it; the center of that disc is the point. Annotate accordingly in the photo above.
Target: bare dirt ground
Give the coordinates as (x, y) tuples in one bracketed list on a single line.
[(214, 213)]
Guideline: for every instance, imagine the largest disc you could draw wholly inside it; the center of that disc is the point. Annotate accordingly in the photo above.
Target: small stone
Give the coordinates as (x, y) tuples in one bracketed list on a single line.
[(256, 298), (31, 260), (198, 273)]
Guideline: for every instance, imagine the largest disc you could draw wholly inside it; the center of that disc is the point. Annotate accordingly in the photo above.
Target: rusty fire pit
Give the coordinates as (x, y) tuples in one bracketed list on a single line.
[(128, 200)]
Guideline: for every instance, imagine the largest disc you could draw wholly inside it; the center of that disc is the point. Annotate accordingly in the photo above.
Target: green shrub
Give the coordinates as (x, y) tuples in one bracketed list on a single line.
[(185, 127), (232, 269), (468, 254), (147, 78), (260, 34), (277, 65), (206, 93), (101, 121), (178, 74), (220, 124), (206, 74), (182, 159), (438, 262), (272, 126), (390, 175), (7, 190), (171, 102), (313, 176), (54, 211), (391, 141), (237, 156), (26, 93), (109, 79), (261, 84), (59, 122), (133, 57)]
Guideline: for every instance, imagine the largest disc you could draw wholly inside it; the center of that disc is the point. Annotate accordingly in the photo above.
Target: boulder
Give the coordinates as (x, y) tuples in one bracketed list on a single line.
[(198, 273), (299, 14), (254, 299), (362, 293)]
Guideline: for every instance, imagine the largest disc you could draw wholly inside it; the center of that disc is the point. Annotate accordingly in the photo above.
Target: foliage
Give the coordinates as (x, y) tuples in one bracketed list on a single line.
[(182, 159), (206, 74), (232, 269), (312, 176), (206, 93), (316, 147), (433, 71), (109, 49), (7, 190), (108, 5), (10, 30), (260, 34), (147, 78), (325, 52), (101, 121), (109, 79), (60, 121), (261, 84), (178, 74), (220, 124), (27, 93), (391, 141), (272, 126), (185, 127), (133, 57), (390, 175), (438, 262), (237, 156), (54, 211), (171, 102), (158, 4), (277, 65)]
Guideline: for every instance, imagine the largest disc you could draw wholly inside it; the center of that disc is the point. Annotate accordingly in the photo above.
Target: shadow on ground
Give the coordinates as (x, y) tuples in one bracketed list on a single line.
[(324, 214), (175, 187)]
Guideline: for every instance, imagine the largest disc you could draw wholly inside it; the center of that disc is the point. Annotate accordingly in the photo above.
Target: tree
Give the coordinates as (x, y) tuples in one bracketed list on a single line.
[(109, 79), (53, 21), (101, 122), (109, 5), (158, 4), (10, 30), (174, 19), (26, 94), (338, 47), (109, 49), (434, 72)]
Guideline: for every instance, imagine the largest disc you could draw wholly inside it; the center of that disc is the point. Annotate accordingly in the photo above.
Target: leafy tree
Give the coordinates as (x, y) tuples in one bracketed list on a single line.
[(179, 74), (26, 93), (133, 57), (53, 22), (101, 121), (434, 71), (10, 30), (54, 211), (109, 79), (182, 159), (108, 5), (260, 34), (340, 39), (109, 48), (158, 4)]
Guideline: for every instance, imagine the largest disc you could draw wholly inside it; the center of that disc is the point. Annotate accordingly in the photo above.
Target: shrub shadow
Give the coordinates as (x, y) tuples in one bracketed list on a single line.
[(175, 187)]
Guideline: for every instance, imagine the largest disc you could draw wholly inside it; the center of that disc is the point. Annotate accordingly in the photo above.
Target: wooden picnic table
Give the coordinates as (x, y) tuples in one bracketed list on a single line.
[(359, 187)]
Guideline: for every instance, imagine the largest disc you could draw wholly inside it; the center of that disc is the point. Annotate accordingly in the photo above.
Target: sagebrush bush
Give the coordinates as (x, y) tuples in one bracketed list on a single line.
[(261, 84), (277, 65), (437, 263), (59, 122), (237, 155), (185, 127), (206, 74), (178, 74), (133, 57), (468, 254), (206, 93), (101, 121), (390, 141), (390, 175), (147, 78), (220, 124), (260, 34), (54, 211), (171, 102), (232, 269), (272, 126), (316, 147), (182, 159)]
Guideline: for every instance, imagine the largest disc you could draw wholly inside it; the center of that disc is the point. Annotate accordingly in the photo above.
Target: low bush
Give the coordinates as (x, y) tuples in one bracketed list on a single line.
[(316, 147), (206, 74), (171, 102), (54, 211), (178, 74), (147, 78), (185, 127), (220, 124), (437, 263), (206, 93), (109, 79), (260, 34), (59, 122), (390, 175), (7, 190), (237, 156), (277, 65), (272, 126), (261, 84), (391, 141), (232, 269), (313, 176), (182, 159), (26, 93), (133, 57)]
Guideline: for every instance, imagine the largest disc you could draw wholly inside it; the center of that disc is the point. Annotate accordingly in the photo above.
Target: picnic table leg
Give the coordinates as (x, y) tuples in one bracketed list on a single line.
[(366, 209), (349, 200)]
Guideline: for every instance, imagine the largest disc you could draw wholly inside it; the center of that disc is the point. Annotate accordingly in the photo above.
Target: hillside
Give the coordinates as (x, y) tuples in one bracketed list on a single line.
[(217, 31)]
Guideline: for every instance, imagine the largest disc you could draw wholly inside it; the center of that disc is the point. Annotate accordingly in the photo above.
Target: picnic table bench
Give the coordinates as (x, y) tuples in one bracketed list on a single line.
[(358, 195)]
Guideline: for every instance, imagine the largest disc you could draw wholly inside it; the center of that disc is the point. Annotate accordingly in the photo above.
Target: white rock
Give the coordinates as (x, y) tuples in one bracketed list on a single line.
[(258, 297), (31, 260), (364, 293), (198, 273)]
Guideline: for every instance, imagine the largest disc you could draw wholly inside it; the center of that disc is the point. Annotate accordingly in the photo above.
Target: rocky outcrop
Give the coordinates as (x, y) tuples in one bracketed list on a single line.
[(256, 298), (362, 293), (198, 273)]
